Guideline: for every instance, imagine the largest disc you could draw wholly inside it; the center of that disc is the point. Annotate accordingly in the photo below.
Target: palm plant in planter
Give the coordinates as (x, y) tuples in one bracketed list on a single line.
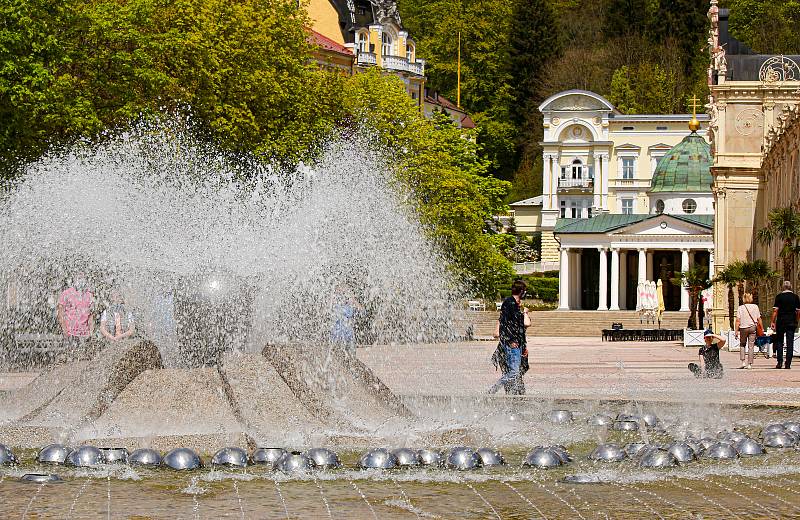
[(784, 225), (695, 280), (756, 273), (731, 277)]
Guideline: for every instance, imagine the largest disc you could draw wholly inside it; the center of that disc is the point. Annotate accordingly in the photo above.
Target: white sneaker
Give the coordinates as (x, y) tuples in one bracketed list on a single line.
[(749, 367), (743, 365)]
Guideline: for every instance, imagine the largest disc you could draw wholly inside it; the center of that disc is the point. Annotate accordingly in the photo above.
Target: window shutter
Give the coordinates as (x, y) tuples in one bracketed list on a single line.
[(563, 172), (591, 172)]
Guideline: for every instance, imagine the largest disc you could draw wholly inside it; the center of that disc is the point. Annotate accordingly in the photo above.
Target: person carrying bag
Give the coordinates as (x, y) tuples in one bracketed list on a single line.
[(749, 327)]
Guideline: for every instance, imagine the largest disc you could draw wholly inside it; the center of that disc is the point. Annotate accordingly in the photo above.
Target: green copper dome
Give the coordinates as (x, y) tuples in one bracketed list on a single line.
[(685, 168)]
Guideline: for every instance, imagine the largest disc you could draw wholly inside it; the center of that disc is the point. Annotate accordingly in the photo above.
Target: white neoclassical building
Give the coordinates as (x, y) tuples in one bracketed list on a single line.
[(603, 258), (596, 161)]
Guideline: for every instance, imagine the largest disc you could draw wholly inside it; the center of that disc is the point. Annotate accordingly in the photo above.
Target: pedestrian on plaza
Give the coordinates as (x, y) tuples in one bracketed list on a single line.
[(785, 315), (710, 365), (117, 322), (75, 313), (344, 311), (513, 346), (748, 327)]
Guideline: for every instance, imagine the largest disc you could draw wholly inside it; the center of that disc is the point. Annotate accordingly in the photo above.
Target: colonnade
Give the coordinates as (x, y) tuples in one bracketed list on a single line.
[(569, 295)]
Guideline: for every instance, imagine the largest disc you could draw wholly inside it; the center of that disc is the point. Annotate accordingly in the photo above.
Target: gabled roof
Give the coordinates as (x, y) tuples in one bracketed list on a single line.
[(607, 222), (326, 44), (533, 201)]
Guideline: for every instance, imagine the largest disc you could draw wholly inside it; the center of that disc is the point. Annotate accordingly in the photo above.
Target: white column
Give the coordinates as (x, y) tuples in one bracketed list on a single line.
[(684, 291), (615, 287), (598, 185), (604, 174), (711, 273), (555, 168), (546, 182), (563, 280), (650, 266), (575, 281), (603, 305), (623, 280), (642, 265)]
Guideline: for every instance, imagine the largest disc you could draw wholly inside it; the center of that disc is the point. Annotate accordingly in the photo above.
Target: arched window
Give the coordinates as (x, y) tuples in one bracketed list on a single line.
[(387, 45), (659, 206), (577, 169), (362, 40), (689, 206)]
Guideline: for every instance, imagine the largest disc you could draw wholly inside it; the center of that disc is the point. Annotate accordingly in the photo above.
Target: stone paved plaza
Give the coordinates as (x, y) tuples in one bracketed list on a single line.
[(583, 368)]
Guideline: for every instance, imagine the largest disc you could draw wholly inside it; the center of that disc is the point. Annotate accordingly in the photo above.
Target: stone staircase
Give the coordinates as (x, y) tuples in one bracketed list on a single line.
[(575, 323)]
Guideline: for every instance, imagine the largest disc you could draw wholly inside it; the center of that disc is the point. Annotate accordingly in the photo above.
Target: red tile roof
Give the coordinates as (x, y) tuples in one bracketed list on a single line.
[(327, 44)]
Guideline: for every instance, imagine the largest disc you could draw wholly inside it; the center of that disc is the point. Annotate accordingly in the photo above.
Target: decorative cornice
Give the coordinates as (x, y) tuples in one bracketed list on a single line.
[(785, 121)]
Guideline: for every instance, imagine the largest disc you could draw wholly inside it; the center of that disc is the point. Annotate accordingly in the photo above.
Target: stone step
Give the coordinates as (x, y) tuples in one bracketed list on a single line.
[(577, 323)]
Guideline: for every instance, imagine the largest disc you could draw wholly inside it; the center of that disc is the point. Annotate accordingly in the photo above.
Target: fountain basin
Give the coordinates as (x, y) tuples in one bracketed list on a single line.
[(779, 439), (682, 451), (626, 426), (600, 419)]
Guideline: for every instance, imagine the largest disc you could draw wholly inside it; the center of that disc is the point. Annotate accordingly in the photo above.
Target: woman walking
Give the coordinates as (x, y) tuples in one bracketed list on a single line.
[(748, 326)]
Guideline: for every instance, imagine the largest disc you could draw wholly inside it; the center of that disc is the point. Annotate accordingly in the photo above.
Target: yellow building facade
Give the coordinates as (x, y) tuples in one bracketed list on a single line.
[(752, 96), (373, 32), (599, 161)]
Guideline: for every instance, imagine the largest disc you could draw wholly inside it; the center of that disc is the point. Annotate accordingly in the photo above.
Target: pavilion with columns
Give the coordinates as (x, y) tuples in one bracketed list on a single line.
[(604, 258)]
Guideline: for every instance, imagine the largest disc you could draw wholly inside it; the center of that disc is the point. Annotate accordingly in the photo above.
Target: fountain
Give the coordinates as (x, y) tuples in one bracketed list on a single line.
[(234, 268)]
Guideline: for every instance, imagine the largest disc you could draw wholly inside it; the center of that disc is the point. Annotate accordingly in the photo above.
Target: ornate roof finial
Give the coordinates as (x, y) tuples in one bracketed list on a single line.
[(694, 124)]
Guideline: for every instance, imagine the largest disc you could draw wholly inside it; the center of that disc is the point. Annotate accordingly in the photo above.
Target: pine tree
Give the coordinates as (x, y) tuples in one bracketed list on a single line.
[(534, 41)]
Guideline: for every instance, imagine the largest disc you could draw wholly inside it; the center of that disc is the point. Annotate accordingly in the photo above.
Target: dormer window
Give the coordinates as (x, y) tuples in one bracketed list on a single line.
[(410, 53)]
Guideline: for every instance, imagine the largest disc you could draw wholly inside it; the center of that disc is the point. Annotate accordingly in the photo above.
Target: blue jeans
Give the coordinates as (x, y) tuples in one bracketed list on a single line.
[(510, 378)]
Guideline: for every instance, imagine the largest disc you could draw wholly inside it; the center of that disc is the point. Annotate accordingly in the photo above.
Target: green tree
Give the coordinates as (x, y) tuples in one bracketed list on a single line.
[(783, 224), (755, 274), (643, 89), (534, 41), (767, 26), (486, 82), (71, 69), (443, 172), (629, 16)]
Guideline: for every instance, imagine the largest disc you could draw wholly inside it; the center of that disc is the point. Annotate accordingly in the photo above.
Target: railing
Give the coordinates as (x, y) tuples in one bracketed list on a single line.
[(575, 183), (392, 62), (629, 183), (535, 267), (367, 58)]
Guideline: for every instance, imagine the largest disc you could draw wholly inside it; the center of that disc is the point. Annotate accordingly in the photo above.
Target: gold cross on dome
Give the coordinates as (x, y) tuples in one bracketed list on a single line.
[(695, 104)]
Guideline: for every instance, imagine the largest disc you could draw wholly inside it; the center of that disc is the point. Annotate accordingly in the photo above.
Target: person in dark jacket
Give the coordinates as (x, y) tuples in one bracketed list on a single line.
[(785, 314), (513, 345)]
